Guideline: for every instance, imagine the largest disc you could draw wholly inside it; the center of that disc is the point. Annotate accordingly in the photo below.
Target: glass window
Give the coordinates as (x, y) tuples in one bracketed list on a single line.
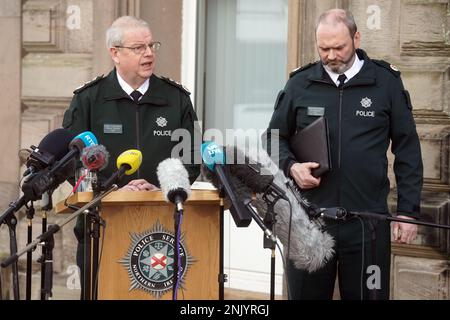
[(246, 57)]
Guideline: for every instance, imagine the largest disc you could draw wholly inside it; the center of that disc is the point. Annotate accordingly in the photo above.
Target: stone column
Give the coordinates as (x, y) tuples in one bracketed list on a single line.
[(102, 62), (10, 79), (10, 64)]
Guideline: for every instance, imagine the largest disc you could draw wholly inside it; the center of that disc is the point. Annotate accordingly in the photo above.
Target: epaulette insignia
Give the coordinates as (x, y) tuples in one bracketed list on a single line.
[(295, 71), (176, 84), (88, 84), (392, 68)]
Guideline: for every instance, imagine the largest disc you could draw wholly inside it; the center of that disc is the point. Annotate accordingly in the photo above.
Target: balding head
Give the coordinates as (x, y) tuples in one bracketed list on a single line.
[(337, 40), (334, 17)]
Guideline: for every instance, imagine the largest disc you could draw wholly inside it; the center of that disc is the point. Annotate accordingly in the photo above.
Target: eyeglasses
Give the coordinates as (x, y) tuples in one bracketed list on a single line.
[(154, 46)]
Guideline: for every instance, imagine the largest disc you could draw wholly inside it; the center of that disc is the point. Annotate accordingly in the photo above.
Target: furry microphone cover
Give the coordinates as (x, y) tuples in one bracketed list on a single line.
[(310, 247)]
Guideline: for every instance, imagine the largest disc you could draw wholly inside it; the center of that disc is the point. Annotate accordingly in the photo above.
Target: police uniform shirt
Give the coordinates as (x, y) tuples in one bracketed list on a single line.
[(128, 89), (350, 73)]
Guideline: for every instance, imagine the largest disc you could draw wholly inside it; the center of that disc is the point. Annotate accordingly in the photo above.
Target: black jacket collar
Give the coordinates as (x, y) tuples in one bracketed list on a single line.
[(113, 90), (366, 76)]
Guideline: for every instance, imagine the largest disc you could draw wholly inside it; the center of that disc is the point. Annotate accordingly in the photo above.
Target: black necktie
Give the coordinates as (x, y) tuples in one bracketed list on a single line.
[(136, 95), (341, 79)]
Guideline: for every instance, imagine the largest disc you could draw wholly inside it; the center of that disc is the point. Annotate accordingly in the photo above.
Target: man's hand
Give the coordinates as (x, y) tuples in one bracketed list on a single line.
[(139, 185), (301, 172), (404, 232)]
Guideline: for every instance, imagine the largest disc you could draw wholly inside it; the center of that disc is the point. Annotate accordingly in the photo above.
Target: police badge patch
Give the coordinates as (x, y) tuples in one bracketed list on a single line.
[(150, 258)]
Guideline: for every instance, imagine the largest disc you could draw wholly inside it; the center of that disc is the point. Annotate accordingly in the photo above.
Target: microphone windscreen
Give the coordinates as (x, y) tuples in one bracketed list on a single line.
[(131, 158), (173, 179), (56, 143), (247, 170), (95, 157), (309, 246)]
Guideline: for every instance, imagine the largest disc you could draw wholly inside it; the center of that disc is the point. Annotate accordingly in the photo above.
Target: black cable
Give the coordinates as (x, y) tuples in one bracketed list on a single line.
[(284, 273), (100, 256), (289, 249), (362, 256)]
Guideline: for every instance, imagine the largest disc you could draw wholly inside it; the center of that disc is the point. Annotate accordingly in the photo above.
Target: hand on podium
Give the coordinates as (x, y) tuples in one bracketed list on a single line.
[(139, 185)]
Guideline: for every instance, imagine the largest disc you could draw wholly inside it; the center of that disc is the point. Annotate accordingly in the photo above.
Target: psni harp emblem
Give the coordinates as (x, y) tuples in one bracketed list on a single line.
[(150, 260)]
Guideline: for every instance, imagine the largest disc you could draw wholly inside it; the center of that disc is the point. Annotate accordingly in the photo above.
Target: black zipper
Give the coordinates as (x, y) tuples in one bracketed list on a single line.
[(341, 92), (138, 140)]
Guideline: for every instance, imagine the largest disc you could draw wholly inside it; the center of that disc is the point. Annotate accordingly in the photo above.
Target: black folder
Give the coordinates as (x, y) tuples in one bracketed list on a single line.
[(312, 144)]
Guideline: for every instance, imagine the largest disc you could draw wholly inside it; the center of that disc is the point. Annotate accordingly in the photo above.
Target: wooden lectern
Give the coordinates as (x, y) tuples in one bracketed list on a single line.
[(138, 239)]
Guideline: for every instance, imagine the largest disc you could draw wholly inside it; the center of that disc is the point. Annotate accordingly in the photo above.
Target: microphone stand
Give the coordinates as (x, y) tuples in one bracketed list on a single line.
[(341, 214), (270, 197), (177, 215), (55, 228), (95, 222), (46, 259), (373, 218), (222, 276), (11, 221), (269, 240), (30, 216)]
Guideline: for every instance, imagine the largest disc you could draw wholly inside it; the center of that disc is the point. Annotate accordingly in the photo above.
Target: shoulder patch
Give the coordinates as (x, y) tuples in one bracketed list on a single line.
[(88, 84), (176, 84), (393, 69), (295, 71)]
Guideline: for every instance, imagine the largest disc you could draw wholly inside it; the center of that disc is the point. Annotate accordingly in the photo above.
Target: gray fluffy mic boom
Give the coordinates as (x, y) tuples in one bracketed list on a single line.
[(310, 246)]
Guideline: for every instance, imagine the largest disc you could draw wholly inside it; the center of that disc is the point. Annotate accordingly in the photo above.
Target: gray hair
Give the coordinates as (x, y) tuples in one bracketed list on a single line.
[(114, 34), (336, 16)]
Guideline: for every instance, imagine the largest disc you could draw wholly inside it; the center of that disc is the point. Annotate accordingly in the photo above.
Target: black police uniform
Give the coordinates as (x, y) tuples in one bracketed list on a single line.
[(119, 123), (364, 116), (102, 107)]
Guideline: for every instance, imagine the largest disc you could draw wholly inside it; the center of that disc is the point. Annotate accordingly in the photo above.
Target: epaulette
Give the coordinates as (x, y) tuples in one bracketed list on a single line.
[(393, 69), (176, 84), (88, 84), (295, 71)]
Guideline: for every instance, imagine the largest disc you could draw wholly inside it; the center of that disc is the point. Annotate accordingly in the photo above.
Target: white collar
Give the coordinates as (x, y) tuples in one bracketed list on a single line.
[(128, 89), (350, 73)]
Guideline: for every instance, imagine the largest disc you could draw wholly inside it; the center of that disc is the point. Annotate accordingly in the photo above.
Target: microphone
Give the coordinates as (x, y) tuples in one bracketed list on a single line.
[(308, 245), (48, 178), (244, 193), (51, 177), (313, 210), (250, 173), (214, 160), (76, 146), (333, 213), (127, 163), (51, 148), (95, 157), (174, 181)]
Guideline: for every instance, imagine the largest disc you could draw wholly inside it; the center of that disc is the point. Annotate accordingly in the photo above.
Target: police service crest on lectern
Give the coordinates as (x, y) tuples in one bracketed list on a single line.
[(150, 260)]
